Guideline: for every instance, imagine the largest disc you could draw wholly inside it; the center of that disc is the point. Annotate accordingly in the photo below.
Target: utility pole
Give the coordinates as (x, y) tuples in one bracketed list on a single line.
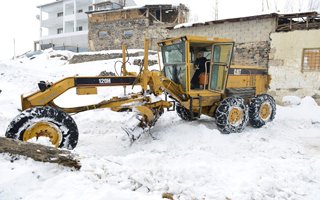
[(267, 1), (14, 48), (216, 10)]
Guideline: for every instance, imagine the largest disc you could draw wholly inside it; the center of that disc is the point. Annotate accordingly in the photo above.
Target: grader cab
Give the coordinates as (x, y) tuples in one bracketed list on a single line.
[(233, 95)]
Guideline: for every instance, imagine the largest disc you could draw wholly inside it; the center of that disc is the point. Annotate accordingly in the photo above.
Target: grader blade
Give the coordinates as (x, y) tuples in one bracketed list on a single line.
[(143, 122)]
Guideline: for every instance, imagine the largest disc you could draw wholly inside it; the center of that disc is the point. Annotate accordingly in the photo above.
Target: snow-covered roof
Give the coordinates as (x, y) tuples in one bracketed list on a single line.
[(162, 2), (268, 15)]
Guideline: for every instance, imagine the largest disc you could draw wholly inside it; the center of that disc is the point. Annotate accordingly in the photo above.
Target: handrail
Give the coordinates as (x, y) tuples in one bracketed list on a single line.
[(205, 74)]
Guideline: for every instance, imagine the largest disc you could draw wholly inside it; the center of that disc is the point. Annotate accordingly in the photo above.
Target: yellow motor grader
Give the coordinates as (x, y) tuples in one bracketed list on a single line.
[(233, 95)]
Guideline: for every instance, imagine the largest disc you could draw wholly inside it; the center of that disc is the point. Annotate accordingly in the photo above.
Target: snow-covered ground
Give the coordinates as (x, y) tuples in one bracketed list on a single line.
[(191, 160)]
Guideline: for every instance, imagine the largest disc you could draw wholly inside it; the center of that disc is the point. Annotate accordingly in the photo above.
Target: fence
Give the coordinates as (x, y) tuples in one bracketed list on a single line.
[(63, 47)]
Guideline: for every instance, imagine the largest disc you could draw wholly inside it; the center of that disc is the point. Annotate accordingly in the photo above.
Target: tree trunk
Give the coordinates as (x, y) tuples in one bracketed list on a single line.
[(39, 152)]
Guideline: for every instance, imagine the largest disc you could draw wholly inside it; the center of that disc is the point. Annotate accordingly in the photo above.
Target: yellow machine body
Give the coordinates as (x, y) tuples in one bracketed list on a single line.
[(174, 78)]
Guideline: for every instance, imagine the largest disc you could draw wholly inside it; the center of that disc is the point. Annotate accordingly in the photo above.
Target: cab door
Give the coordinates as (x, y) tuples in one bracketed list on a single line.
[(220, 63)]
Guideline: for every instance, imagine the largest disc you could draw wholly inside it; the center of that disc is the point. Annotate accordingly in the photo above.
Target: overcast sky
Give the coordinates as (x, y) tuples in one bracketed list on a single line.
[(18, 18)]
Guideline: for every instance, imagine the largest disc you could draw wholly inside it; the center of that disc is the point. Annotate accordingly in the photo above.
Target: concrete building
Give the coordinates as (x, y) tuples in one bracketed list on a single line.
[(64, 23), (109, 28), (288, 45)]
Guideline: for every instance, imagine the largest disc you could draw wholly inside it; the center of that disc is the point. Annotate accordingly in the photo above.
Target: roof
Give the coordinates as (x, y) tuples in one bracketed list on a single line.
[(49, 4), (264, 16), (164, 6), (128, 2)]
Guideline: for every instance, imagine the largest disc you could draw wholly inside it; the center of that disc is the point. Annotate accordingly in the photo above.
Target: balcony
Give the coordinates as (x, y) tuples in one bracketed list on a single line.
[(52, 22)]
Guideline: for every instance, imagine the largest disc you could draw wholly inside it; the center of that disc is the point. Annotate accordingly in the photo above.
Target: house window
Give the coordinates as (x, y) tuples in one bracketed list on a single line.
[(158, 15), (311, 59), (80, 11), (103, 34), (59, 14), (79, 28), (59, 30), (90, 8), (127, 34)]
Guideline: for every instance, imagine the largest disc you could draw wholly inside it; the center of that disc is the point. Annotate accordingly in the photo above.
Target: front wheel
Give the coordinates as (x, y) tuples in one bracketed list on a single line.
[(46, 123), (262, 109), (184, 113), (231, 115)]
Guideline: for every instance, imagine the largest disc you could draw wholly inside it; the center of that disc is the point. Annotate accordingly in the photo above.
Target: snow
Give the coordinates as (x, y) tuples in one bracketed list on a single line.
[(188, 24), (191, 160)]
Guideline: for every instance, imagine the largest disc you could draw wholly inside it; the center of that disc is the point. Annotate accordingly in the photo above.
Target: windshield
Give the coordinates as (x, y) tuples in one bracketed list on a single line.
[(175, 63), (173, 54)]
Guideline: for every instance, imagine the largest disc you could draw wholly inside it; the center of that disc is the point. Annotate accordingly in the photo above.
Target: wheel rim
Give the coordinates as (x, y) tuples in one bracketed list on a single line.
[(235, 116), (43, 129), (265, 111)]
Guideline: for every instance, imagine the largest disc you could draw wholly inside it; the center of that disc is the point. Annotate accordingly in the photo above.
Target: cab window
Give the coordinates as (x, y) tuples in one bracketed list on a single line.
[(174, 63)]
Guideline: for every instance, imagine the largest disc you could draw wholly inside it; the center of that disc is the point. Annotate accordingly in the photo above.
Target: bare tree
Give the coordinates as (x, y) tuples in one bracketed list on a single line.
[(275, 5), (195, 18), (301, 5), (314, 5), (289, 6)]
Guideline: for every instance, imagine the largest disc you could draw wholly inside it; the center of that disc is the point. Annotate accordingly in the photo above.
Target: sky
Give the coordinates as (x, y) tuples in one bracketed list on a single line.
[(20, 26)]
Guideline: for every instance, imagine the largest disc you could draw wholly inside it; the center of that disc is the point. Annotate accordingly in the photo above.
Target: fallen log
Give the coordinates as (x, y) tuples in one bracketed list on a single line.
[(39, 152)]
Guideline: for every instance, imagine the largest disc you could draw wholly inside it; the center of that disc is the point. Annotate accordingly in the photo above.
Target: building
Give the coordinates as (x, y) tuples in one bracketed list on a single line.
[(110, 28), (64, 23), (287, 44)]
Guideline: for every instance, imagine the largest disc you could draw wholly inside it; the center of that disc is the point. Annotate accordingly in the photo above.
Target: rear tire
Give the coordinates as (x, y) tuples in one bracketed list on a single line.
[(262, 109), (184, 113), (231, 115), (47, 121)]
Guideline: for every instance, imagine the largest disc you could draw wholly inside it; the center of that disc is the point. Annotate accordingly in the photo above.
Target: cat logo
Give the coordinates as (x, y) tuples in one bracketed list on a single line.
[(237, 71)]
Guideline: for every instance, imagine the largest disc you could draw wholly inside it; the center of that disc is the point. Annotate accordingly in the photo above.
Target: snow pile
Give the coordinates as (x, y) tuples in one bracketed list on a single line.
[(291, 100), (191, 160)]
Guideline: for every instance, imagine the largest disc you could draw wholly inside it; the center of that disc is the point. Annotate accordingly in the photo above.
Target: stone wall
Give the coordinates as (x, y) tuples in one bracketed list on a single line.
[(80, 58), (114, 37), (251, 38), (111, 29), (285, 64), (251, 53)]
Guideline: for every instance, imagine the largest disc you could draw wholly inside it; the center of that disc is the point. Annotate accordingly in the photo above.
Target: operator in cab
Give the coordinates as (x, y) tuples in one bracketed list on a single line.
[(199, 65)]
